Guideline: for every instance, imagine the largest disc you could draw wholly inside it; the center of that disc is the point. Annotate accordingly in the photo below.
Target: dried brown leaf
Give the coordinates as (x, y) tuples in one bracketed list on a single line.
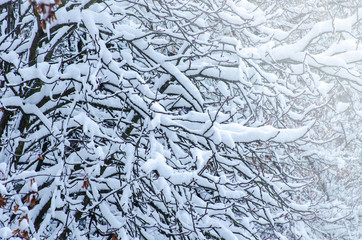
[(3, 201)]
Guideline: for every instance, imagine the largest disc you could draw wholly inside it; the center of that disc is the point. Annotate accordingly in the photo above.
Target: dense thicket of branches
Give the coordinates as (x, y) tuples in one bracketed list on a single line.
[(179, 120)]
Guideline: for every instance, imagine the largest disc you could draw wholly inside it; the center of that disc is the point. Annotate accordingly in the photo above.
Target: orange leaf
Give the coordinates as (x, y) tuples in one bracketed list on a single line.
[(16, 208), (53, 17), (41, 157), (27, 198), (24, 234), (34, 199), (3, 201), (22, 218), (38, 9), (43, 25), (114, 237), (85, 182)]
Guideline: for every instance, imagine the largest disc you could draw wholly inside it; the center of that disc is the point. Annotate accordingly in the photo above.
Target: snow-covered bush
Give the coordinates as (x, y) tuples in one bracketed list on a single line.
[(165, 119)]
